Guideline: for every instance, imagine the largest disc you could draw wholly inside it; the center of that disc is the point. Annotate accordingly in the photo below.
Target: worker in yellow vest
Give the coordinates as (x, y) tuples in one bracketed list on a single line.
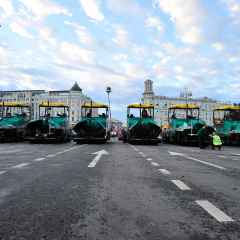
[(216, 141)]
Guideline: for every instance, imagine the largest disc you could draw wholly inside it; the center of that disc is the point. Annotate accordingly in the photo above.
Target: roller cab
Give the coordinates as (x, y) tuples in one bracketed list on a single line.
[(52, 125), (13, 121), (227, 124), (141, 127), (183, 124), (94, 125)]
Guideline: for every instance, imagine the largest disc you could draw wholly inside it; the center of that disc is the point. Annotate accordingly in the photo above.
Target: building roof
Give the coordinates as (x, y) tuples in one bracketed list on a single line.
[(76, 88)]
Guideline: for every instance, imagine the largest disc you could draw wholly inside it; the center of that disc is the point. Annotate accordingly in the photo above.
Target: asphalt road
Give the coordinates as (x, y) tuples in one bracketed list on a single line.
[(130, 192)]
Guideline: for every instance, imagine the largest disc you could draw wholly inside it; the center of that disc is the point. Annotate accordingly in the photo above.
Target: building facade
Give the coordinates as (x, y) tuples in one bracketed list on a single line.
[(162, 103), (74, 98)]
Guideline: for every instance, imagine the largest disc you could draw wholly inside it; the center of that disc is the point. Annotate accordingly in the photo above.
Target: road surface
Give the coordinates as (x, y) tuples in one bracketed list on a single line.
[(118, 191)]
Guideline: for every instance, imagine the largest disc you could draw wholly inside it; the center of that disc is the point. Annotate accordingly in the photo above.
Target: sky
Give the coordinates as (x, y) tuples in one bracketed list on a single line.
[(50, 44)]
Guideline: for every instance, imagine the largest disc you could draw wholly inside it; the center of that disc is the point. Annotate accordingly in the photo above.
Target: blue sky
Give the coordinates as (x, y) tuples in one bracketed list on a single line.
[(50, 44)]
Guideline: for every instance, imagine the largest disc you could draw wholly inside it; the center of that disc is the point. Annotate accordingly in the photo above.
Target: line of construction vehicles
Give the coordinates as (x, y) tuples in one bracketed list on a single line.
[(53, 125)]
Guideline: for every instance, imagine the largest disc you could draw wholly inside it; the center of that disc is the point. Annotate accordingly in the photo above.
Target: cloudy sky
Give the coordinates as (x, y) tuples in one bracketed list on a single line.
[(50, 44)]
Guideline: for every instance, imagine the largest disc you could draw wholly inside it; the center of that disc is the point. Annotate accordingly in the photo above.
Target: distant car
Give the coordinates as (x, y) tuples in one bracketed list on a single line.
[(113, 134)]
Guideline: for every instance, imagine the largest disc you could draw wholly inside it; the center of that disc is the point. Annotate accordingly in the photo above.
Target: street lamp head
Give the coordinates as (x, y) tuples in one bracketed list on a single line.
[(108, 90)]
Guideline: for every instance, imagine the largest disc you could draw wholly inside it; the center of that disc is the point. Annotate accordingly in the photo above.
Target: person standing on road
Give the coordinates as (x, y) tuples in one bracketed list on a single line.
[(216, 141), (203, 137)]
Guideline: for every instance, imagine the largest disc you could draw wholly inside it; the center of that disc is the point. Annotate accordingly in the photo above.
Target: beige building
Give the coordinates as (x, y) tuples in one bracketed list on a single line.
[(73, 98), (162, 103)]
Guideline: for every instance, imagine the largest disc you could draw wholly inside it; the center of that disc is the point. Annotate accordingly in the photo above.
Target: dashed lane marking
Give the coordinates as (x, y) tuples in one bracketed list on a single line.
[(21, 165), (219, 215), (149, 159), (164, 171), (155, 164), (181, 185), (2, 172), (142, 154), (39, 159)]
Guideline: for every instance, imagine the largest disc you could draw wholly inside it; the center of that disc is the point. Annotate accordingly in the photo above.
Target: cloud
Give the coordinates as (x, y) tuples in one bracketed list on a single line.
[(188, 17), (73, 54), (20, 29), (46, 34), (82, 33), (7, 7), (120, 57), (154, 22), (233, 7), (218, 46), (92, 9), (121, 38), (3, 56), (41, 9), (131, 7)]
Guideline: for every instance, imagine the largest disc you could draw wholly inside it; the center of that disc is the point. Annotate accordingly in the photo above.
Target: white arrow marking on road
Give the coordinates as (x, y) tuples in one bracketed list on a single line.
[(197, 160), (219, 215), (97, 158)]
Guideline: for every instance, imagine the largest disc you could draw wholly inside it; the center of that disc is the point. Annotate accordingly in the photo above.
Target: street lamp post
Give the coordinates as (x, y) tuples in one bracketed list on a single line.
[(108, 91), (187, 95)]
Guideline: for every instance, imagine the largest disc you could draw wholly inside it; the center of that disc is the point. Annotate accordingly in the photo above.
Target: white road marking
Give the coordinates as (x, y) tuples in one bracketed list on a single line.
[(155, 164), (219, 215), (142, 154), (66, 150), (21, 165), (11, 151), (134, 148), (149, 159), (197, 160), (236, 154), (51, 155), (181, 185), (164, 171), (97, 158), (207, 163), (2, 172), (39, 159), (59, 153)]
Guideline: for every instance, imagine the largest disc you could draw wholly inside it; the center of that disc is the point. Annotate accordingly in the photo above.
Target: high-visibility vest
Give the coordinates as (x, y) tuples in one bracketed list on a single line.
[(217, 140)]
